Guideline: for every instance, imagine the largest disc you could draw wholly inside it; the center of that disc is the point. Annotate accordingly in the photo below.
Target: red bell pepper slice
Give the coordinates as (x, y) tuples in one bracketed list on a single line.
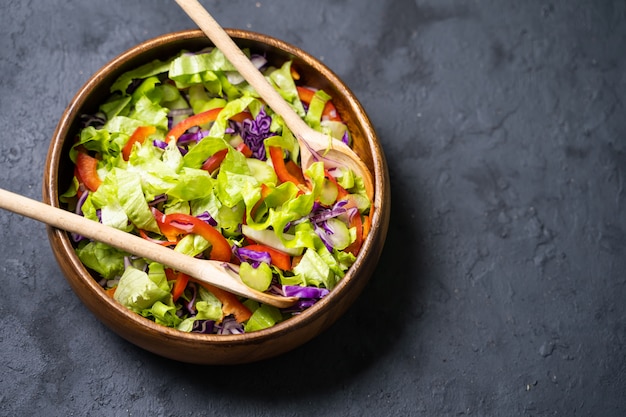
[(265, 191), (139, 136), (240, 117), (180, 282), (280, 259), (244, 149), (86, 168), (295, 171), (167, 230), (111, 291), (195, 120), (294, 73), (284, 173), (220, 248), (329, 112), (144, 235), (367, 226), (230, 302), (357, 223), (355, 246), (215, 160), (199, 120)]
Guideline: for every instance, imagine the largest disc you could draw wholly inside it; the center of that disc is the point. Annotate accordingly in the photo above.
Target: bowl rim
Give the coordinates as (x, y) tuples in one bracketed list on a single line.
[(379, 219)]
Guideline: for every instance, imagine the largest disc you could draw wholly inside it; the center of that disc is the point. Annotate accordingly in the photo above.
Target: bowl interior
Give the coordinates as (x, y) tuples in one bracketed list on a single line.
[(215, 349)]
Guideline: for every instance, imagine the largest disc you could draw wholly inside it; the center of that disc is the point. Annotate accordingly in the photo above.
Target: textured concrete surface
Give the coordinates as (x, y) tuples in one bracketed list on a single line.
[(501, 290)]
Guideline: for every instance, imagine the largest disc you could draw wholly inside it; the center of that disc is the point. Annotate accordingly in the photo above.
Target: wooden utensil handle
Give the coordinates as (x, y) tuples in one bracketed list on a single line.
[(212, 272), (74, 223), (242, 63)]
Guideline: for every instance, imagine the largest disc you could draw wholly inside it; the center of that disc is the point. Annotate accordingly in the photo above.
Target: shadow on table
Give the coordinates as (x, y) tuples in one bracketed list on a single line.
[(386, 309)]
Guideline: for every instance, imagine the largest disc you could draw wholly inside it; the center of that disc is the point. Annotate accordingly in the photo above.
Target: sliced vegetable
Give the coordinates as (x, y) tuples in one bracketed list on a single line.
[(180, 282), (169, 231), (230, 302), (356, 223), (199, 119), (214, 161), (87, 167), (139, 136), (223, 183), (258, 278), (263, 317), (279, 259), (269, 238), (185, 223), (244, 149), (329, 113), (283, 173)]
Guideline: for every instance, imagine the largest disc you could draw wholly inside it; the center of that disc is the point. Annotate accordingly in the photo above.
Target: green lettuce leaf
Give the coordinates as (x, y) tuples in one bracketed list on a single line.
[(316, 108), (315, 270), (203, 150), (208, 308), (263, 317), (132, 199), (137, 291), (191, 184), (192, 245), (116, 106), (150, 113), (102, 258), (147, 70), (218, 129), (148, 89), (200, 68), (283, 81), (164, 314)]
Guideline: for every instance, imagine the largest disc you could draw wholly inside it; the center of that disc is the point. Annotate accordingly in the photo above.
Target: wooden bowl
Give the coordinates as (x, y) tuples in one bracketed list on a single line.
[(201, 348)]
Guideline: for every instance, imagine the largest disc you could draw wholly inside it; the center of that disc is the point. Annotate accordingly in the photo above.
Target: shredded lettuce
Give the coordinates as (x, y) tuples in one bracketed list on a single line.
[(244, 200), (102, 258), (137, 291), (263, 317)]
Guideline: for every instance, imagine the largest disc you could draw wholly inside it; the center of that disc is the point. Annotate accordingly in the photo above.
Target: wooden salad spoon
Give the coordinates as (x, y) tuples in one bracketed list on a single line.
[(220, 274), (314, 145)]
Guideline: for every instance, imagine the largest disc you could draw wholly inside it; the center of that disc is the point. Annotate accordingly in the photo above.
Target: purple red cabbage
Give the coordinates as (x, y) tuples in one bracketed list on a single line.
[(300, 305), (322, 230), (161, 198), (253, 257), (159, 144), (194, 135), (189, 305), (229, 326), (320, 214), (79, 210), (254, 132), (206, 217), (308, 296), (203, 326), (304, 292), (346, 138)]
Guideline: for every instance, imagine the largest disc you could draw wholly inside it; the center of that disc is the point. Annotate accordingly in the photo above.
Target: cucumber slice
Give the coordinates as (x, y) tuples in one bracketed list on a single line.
[(269, 238), (262, 171), (258, 278), (329, 193)]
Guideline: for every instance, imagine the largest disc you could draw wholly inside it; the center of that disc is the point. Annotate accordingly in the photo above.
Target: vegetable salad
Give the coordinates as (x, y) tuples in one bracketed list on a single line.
[(185, 154)]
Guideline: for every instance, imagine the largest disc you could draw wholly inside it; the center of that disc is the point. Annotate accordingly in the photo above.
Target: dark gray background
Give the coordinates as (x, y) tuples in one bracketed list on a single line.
[(501, 288)]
